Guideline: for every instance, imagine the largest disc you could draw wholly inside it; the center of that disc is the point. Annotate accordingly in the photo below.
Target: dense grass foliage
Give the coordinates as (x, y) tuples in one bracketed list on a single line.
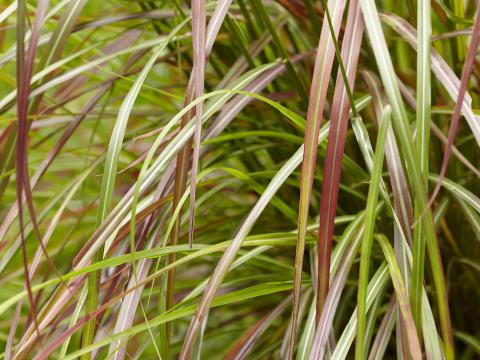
[(259, 179)]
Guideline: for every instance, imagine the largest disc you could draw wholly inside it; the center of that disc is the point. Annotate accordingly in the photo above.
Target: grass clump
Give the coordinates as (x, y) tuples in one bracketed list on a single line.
[(239, 179)]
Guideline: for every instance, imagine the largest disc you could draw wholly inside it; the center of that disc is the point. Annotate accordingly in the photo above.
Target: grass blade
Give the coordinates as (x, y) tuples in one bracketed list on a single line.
[(24, 73), (318, 91), (424, 34), (336, 144), (199, 54), (384, 333), (368, 233), (402, 298)]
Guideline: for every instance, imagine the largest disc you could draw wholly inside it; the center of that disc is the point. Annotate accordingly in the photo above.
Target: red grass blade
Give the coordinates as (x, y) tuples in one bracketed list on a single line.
[(336, 144), (24, 74)]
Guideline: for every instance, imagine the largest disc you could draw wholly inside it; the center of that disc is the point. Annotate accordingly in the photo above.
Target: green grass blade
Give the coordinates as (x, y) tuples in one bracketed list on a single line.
[(424, 33), (367, 240)]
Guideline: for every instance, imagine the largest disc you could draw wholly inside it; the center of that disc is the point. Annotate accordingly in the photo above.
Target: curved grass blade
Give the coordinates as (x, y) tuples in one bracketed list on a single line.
[(458, 190)]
